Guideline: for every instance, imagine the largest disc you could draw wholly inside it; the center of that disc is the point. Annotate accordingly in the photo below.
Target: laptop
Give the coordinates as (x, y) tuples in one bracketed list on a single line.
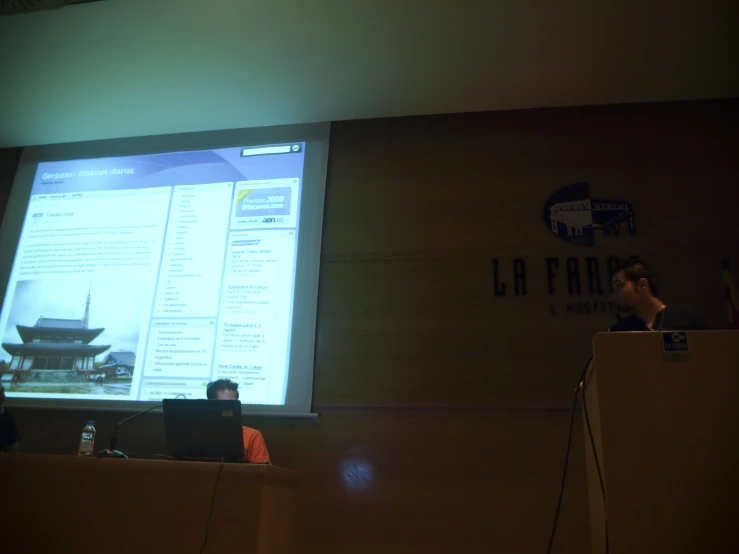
[(202, 430)]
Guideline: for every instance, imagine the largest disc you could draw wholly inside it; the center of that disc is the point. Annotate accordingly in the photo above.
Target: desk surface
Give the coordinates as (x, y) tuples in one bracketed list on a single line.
[(152, 464)]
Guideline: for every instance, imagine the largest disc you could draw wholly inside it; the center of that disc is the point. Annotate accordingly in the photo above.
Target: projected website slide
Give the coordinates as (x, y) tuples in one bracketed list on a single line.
[(145, 277)]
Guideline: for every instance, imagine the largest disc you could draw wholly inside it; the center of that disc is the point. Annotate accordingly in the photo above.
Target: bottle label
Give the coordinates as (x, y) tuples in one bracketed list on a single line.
[(86, 444)]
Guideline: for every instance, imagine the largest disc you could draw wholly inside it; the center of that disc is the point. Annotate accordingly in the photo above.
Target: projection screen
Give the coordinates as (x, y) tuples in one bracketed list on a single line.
[(141, 269)]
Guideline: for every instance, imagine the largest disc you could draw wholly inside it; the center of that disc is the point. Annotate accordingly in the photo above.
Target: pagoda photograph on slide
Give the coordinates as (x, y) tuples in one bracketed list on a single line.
[(72, 336)]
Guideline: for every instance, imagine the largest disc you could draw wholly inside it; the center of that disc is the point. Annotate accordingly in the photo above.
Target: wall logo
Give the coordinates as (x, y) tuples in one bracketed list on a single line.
[(573, 216)]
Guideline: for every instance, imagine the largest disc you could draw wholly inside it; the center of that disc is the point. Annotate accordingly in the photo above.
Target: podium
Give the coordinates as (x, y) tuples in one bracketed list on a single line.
[(83, 505), (665, 425)]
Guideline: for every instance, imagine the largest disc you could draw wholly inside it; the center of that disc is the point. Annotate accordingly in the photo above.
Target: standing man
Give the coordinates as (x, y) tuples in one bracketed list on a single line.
[(635, 290), (255, 449)]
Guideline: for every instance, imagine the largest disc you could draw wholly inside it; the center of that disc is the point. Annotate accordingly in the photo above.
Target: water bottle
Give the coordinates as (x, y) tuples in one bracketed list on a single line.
[(87, 440)]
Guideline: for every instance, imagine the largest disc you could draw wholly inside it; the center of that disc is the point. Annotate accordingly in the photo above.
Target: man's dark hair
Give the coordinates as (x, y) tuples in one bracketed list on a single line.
[(213, 387), (635, 268)]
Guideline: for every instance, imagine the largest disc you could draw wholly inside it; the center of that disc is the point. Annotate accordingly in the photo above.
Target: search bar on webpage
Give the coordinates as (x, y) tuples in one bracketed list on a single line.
[(265, 150)]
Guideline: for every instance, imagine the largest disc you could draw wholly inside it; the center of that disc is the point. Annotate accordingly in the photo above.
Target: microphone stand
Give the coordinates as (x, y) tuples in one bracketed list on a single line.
[(111, 451)]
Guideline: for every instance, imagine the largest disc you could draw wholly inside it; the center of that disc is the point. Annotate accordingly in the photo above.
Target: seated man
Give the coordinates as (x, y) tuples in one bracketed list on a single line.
[(255, 449), (9, 436), (635, 290)]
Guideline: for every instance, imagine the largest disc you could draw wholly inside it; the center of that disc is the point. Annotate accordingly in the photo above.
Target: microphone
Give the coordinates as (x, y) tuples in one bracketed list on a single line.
[(111, 451)]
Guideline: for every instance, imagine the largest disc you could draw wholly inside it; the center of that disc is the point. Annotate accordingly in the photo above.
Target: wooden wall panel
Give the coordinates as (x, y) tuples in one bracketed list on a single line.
[(9, 158), (478, 182), (456, 397), (427, 333), (418, 208), (430, 332), (398, 481)]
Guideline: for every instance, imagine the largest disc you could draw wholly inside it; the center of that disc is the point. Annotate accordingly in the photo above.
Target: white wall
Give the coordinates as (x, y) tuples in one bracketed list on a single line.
[(137, 67)]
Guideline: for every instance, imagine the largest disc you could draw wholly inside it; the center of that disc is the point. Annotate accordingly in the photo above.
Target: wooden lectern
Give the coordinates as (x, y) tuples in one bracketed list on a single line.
[(60, 504), (666, 430)]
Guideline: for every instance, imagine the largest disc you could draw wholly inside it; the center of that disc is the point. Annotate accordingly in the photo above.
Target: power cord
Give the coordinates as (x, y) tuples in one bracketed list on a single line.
[(597, 467), (567, 456), (111, 451), (212, 504)]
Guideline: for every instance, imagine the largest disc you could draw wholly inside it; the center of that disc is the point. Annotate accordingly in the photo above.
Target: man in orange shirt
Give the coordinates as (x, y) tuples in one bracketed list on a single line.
[(255, 449)]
